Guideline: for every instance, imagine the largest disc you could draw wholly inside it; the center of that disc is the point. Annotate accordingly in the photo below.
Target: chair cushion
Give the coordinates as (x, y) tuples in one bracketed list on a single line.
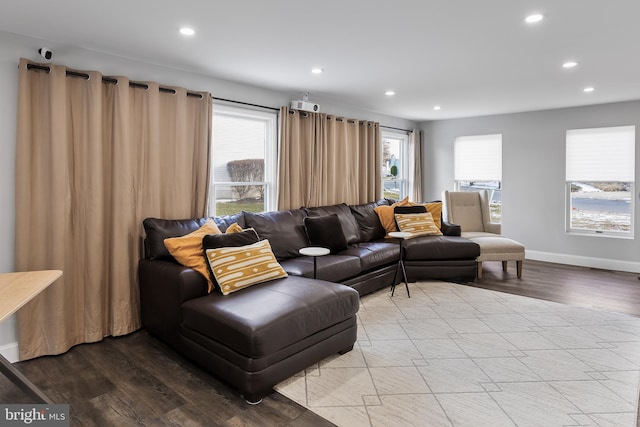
[(347, 220), (466, 210), (499, 249), (283, 229), (263, 319), (474, 234), (325, 232)]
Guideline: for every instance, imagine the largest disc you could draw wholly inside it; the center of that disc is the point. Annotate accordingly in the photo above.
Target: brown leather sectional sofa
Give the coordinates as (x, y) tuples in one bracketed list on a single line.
[(261, 335)]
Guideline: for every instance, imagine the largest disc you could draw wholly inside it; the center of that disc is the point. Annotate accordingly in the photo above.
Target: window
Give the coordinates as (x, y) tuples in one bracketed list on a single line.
[(600, 175), (478, 166), (394, 164), (243, 161)]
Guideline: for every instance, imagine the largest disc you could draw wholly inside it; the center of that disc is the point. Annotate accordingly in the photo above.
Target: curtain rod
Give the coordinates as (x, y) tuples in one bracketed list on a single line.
[(110, 80), (277, 109), (168, 90), (245, 103), (403, 130)]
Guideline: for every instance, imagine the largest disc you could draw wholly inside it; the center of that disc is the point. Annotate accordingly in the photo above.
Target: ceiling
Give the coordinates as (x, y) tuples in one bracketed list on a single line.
[(470, 57)]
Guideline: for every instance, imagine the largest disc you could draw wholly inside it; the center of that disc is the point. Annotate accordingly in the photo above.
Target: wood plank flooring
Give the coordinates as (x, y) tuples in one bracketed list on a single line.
[(137, 380)]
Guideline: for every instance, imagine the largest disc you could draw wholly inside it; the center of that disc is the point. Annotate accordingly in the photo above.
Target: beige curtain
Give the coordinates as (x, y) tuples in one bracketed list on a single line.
[(93, 159), (324, 160), (416, 142)]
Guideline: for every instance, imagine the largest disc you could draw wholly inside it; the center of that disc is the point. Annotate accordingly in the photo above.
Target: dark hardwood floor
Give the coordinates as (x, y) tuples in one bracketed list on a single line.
[(137, 380), (585, 287)]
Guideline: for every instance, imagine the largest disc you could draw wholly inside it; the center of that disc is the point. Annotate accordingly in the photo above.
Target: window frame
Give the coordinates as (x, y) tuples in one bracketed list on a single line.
[(403, 178), (569, 230), (270, 119)]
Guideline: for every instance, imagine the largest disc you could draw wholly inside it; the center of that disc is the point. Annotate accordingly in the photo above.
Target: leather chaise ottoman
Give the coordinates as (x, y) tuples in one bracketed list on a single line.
[(264, 334)]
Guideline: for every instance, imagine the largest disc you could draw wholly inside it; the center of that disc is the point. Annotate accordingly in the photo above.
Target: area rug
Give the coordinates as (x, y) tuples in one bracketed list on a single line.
[(455, 355)]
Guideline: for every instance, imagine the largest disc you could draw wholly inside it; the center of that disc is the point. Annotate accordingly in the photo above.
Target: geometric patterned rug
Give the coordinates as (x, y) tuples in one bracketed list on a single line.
[(455, 355)]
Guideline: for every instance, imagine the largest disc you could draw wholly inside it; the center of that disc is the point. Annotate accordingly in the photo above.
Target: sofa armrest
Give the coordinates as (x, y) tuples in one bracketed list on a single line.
[(164, 286), (449, 229)]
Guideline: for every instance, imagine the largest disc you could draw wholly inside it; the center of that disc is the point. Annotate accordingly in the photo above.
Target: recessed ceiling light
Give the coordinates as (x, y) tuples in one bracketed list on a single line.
[(389, 93), (536, 17), (436, 107), (186, 31), (589, 89), (317, 70), (569, 64)]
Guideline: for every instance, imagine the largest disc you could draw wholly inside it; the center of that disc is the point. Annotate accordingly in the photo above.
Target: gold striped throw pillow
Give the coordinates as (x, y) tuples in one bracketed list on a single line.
[(239, 267), (418, 224)]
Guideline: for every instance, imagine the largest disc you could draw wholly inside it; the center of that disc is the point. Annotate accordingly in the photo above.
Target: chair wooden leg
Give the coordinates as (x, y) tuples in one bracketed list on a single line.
[(519, 267), (504, 265), (479, 266)]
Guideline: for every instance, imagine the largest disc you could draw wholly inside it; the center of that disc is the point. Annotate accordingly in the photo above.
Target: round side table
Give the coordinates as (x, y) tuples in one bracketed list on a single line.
[(401, 236), (314, 252)]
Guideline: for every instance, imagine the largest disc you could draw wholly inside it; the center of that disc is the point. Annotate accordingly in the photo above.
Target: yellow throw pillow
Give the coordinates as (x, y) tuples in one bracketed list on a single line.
[(418, 224), (233, 228), (235, 268), (385, 215), (187, 250), (435, 209)]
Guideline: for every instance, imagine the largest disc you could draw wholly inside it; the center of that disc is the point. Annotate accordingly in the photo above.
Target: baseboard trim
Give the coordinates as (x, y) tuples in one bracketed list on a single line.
[(10, 352), (583, 261)]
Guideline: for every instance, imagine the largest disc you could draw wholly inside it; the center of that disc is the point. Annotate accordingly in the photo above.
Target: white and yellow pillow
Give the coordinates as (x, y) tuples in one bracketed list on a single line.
[(418, 224), (235, 268)]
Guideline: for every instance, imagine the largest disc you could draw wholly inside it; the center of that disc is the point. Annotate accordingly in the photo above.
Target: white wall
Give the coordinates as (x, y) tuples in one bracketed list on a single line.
[(533, 177), (13, 47)]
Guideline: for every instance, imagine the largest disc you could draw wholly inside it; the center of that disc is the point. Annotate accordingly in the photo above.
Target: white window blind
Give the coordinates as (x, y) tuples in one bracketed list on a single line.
[(478, 158), (601, 154)]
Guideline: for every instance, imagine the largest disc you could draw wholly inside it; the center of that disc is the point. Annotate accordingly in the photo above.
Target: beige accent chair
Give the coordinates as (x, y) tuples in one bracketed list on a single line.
[(470, 210)]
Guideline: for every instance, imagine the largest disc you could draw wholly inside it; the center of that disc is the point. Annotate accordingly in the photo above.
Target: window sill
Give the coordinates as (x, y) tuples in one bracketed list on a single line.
[(590, 233)]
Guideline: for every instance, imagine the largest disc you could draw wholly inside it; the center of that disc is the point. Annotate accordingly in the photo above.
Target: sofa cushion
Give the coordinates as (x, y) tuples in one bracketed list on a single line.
[(334, 268), (284, 229), (239, 267), (385, 215), (260, 320), (234, 228), (223, 222), (215, 241), (409, 209), (440, 248), (435, 209), (187, 250), (347, 220), (418, 224), (325, 232), (374, 254), (368, 223), (157, 230)]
